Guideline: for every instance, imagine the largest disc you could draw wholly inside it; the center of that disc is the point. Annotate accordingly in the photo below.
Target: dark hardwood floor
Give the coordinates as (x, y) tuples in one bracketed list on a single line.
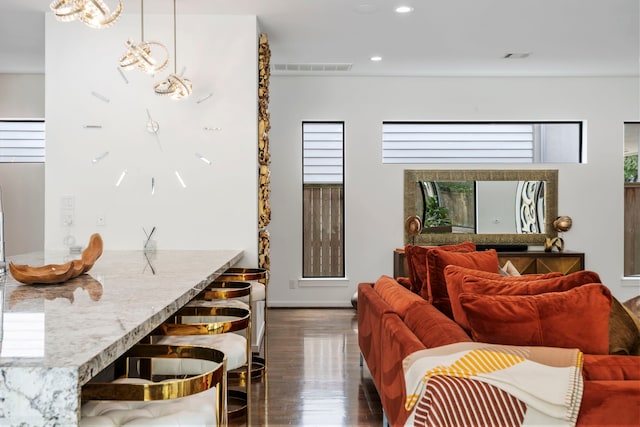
[(313, 376)]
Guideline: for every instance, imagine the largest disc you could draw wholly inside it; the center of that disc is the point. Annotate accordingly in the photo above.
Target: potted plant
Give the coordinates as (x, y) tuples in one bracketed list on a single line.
[(436, 217)]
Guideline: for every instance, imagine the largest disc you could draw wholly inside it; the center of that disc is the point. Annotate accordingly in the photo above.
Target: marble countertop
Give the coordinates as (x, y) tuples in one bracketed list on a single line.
[(77, 328)]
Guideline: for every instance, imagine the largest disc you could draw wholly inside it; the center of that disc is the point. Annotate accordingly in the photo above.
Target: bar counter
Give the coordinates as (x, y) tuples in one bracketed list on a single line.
[(54, 338)]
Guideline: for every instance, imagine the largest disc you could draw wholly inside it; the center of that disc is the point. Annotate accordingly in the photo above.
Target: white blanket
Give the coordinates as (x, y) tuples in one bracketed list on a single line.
[(482, 384)]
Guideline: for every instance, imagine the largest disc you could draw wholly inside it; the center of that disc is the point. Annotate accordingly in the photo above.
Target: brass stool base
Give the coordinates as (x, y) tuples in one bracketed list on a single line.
[(240, 374), (236, 403)]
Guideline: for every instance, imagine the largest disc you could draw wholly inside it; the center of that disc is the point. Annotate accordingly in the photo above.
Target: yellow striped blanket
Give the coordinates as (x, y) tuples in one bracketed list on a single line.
[(477, 384)]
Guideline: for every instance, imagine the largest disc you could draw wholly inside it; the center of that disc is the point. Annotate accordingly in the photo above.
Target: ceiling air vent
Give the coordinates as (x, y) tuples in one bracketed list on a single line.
[(312, 67)]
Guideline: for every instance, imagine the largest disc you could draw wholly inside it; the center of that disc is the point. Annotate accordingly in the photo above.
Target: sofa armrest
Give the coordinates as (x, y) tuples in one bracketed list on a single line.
[(398, 342), (371, 307), (611, 367)]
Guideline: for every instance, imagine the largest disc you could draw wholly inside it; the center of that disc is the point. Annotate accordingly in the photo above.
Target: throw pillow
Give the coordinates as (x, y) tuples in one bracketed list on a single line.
[(455, 275), (416, 257), (577, 318), (437, 259), (624, 330), (508, 269)]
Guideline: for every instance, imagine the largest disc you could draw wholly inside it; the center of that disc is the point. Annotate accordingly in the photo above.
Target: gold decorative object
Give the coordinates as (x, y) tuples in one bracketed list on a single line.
[(94, 13), (264, 188), (555, 242), (59, 273), (264, 249), (175, 86), (413, 226), (562, 223), (141, 55)]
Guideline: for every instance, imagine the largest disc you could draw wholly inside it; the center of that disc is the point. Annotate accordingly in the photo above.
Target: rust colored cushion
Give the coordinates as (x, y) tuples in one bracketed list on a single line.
[(577, 318), (396, 295), (437, 260), (610, 403), (611, 367), (433, 328), (460, 279), (506, 286), (416, 257), (404, 281)]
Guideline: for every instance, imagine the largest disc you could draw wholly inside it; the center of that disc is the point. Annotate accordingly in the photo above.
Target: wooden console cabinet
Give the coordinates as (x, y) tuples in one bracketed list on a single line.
[(527, 262)]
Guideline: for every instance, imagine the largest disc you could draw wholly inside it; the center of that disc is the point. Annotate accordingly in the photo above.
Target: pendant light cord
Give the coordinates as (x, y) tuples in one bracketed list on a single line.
[(175, 49), (141, 21)]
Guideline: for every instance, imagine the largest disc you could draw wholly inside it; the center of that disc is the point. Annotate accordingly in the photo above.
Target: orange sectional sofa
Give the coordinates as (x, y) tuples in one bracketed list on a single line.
[(395, 321)]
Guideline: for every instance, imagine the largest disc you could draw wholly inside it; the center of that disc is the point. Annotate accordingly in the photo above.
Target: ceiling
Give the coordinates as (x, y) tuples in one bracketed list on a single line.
[(439, 38)]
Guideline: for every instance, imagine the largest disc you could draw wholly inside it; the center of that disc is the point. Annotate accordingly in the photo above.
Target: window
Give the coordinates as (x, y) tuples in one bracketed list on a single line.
[(22, 141), (323, 199), (631, 200), (438, 142)]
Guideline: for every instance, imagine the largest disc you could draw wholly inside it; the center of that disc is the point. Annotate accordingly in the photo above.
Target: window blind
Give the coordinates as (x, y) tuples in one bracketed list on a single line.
[(22, 141), (323, 150), (457, 142)]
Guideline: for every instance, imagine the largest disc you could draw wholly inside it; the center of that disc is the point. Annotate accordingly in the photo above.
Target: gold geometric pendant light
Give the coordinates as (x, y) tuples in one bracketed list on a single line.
[(175, 86), (144, 55), (94, 13)]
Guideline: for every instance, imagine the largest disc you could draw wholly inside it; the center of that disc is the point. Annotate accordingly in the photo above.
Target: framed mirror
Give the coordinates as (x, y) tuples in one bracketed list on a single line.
[(483, 206)]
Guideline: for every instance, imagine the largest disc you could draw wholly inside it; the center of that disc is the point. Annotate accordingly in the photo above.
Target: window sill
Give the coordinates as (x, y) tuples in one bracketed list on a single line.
[(322, 282)]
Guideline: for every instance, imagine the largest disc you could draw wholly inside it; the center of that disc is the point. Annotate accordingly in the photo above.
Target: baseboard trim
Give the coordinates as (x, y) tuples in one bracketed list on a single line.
[(309, 304)]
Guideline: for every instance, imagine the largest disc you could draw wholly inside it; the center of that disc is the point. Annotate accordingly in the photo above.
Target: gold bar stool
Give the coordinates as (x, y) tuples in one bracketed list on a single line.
[(259, 279), (228, 294), (214, 327), (142, 394)]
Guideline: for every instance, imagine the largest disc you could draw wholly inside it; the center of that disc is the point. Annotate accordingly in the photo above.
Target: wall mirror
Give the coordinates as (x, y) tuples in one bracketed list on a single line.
[(483, 206)]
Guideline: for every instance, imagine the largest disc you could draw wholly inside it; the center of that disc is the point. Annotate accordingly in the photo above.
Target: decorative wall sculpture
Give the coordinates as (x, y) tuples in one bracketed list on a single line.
[(264, 157), (264, 244)]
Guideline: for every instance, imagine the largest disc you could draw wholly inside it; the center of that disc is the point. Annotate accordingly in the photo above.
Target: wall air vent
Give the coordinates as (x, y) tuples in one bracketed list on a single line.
[(516, 55), (328, 67)]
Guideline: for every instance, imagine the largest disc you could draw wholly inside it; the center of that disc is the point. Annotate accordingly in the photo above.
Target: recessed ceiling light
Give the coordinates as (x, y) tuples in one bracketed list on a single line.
[(376, 58), (404, 9)]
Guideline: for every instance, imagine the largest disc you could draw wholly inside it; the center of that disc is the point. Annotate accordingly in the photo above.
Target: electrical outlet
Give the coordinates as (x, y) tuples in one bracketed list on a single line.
[(67, 219), (68, 203), (292, 284), (101, 220)]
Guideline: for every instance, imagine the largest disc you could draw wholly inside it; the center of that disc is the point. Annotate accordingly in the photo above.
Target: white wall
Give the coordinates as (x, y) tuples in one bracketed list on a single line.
[(218, 208), (590, 193), (22, 97)]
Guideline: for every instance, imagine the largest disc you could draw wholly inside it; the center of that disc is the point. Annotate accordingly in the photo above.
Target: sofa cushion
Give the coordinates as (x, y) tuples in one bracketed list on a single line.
[(460, 279), (433, 328), (397, 296), (511, 286), (577, 318), (437, 260), (610, 403), (610, 367), (416, 257)]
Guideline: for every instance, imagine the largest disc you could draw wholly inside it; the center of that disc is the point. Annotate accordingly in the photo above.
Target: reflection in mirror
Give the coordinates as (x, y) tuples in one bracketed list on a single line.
[(485, 206)]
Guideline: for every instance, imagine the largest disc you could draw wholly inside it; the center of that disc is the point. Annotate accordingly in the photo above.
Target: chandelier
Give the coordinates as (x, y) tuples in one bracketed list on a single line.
[(175, 86), (141, 55), (94, 13)]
